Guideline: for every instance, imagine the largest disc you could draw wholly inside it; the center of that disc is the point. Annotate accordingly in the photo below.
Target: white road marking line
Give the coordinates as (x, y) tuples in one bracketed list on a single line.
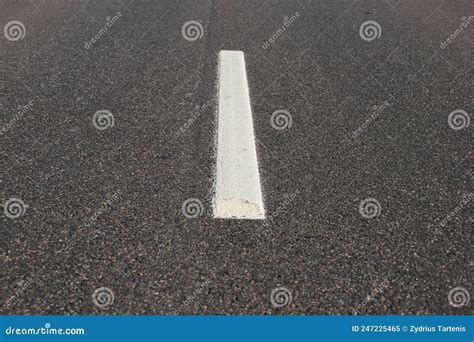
[(238, 194)]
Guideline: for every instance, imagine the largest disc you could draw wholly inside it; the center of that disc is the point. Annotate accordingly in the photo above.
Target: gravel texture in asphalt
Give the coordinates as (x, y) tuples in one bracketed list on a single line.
[(108, 125)]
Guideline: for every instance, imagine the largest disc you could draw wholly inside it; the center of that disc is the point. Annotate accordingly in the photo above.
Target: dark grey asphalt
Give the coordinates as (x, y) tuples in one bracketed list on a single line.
[(104, 207)]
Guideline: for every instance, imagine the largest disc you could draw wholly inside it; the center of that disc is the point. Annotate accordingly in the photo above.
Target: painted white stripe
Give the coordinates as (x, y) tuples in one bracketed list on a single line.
[(238, 193)]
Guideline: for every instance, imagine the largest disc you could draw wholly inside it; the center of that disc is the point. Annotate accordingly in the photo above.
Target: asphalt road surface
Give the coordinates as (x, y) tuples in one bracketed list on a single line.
[(108, 118)]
